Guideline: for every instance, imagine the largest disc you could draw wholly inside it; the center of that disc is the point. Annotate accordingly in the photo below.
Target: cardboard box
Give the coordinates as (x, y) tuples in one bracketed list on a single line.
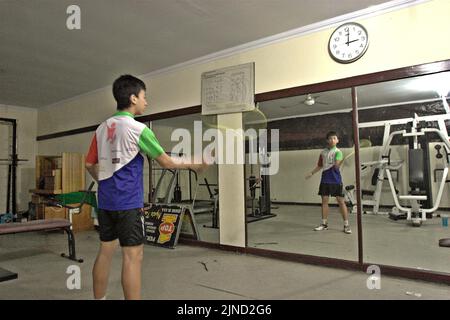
[(40, 211), (55, 213), (47, 164), (49, 183), (82, 221), (36, 199), (47, 173)]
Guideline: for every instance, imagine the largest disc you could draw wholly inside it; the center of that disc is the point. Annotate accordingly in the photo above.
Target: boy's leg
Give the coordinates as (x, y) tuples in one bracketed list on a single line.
[(131, 271), (100, 272), (342, 208), (344, 213), (325, 207), (131, 238)]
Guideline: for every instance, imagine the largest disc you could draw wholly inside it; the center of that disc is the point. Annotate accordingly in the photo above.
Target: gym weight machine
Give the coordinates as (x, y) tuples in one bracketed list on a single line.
[(264, 209), (419, 168), (378, 177), (12, 162)]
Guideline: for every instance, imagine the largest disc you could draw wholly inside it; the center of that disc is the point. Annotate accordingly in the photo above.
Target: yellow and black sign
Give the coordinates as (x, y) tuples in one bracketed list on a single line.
[(163, 224)]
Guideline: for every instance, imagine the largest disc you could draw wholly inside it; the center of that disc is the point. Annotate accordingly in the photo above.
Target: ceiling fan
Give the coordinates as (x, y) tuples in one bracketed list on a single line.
[(309, 101)]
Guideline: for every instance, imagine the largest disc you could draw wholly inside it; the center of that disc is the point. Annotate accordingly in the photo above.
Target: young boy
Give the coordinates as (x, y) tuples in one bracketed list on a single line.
[(115, 160), (331, 183)]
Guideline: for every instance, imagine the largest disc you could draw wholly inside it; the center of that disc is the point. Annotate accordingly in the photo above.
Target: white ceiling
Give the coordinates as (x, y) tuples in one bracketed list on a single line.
[(42, 62)]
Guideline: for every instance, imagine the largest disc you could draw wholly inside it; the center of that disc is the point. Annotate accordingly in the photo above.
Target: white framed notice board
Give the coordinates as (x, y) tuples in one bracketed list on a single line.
[(229, 90)]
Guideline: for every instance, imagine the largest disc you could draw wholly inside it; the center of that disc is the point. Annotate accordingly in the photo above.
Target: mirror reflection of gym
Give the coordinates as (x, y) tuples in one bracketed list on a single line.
[(405, 182), (283, 209), (199, 192)]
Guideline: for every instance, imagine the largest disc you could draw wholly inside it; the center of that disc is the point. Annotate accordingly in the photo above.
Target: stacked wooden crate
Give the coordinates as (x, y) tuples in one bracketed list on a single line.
[(52, 181), (73, 172), (48, 173), (61, 174)]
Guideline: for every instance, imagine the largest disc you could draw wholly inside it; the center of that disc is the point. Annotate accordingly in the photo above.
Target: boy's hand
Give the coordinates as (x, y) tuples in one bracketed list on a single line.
[(199, 168), (309, 175)]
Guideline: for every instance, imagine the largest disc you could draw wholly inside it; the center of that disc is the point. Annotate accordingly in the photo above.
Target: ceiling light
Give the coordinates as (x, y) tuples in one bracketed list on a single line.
[(438, 83), (309, 101)]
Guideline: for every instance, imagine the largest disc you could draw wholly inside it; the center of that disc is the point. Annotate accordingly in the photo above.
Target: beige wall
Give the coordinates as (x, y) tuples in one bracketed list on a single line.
[(408, 36), (289, 185), (26, 149)]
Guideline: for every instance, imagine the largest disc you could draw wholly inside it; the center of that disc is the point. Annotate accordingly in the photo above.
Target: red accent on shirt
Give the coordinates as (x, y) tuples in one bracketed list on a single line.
[(111, 133), (92, 156)]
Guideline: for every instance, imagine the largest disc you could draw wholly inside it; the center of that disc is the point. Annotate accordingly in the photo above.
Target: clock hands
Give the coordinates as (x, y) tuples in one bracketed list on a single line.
[(348, 40)]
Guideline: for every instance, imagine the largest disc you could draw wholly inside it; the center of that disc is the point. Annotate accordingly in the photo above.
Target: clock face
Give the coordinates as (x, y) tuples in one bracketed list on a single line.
[(348, 42)]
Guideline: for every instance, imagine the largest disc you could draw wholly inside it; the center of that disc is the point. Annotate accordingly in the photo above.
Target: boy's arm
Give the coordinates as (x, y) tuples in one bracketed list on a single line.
[(179, 163), (150, 146), (316, 169), (339, 159), (91, 162), (338, 164), (93, 170)]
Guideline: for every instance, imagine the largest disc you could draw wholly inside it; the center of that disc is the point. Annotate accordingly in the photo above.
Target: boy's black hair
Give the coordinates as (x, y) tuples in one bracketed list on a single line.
[(124, 87), (331, 133)]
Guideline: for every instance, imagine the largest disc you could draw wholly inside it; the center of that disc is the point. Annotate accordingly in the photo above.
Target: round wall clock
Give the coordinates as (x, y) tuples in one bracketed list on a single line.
[(348, 42)]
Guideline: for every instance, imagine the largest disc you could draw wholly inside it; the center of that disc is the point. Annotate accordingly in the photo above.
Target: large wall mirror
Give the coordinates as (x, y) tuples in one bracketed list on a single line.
[(284, 208), (197, 191), (404, 171), (404, 154)]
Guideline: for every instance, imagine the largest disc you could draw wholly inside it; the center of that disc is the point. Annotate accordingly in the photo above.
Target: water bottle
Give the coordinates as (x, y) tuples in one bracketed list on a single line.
[(444, 218)]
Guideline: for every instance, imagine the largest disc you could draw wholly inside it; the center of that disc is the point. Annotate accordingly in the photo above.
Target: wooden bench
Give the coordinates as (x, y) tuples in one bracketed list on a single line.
[(46, 225), (34, 226)]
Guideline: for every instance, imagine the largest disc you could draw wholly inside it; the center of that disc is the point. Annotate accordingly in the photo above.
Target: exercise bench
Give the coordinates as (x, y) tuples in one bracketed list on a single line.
[(45, 225), (39, 225)]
